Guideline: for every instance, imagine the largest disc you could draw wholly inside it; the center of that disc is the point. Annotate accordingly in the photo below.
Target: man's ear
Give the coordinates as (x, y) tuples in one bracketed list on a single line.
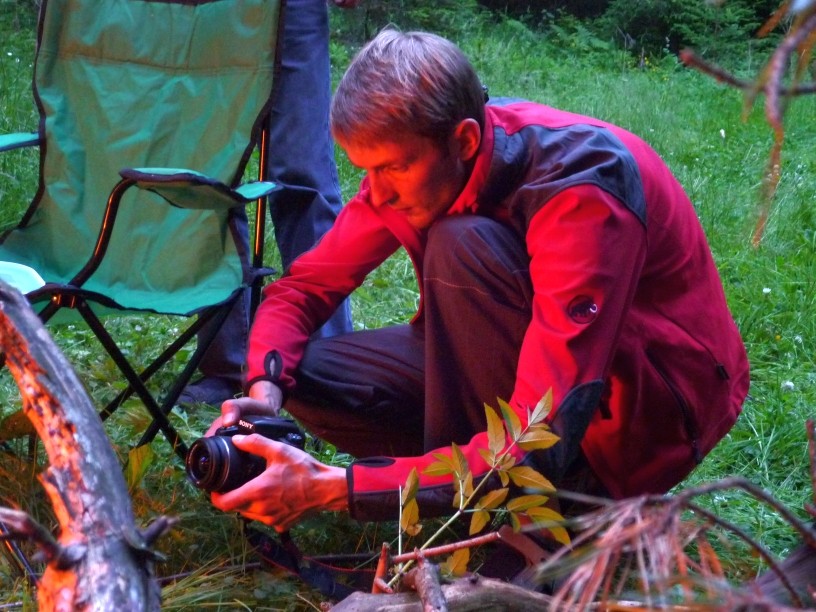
[(468, 137)]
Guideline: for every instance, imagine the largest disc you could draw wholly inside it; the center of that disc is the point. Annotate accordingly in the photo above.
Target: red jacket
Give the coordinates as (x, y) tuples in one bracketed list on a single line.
[(602, 216)]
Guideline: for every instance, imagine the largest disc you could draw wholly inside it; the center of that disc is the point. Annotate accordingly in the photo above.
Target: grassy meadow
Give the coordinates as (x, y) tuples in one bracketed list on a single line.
[(717, 148)]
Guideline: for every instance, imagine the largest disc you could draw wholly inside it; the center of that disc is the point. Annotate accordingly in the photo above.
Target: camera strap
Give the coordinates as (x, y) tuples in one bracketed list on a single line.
[(322, 573)]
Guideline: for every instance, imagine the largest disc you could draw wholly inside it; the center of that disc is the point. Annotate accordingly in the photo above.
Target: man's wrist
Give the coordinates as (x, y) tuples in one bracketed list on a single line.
[(334, 488)]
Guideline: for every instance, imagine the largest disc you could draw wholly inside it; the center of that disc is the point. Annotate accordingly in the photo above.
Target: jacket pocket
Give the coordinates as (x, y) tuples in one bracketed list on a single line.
[(686, 414)]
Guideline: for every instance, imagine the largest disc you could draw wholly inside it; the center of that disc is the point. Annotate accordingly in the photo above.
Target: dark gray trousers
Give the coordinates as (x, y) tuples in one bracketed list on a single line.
[(408, 389)]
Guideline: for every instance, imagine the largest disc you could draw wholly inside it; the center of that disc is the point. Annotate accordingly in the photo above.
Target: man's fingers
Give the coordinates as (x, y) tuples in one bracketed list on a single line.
[(234, 409), (240, 498), (257, 445)]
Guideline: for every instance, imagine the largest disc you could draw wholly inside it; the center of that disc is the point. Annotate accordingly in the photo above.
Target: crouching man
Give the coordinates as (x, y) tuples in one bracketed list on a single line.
[(553, 251)]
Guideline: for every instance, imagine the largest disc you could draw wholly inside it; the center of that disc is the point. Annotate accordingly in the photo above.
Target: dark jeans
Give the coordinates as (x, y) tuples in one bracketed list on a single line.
[(408, 389), (301, 157)]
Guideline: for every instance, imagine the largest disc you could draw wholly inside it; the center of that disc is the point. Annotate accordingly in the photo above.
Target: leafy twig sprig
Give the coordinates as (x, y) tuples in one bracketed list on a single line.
[(506, 436)]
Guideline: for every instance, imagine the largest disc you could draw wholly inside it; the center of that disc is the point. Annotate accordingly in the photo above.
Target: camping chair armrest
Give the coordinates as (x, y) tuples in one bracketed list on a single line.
[(190, 189), (179, 187), (9, 142)]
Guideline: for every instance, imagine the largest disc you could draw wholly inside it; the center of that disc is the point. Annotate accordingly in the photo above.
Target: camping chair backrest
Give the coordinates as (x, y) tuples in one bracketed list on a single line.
[(145, 83)]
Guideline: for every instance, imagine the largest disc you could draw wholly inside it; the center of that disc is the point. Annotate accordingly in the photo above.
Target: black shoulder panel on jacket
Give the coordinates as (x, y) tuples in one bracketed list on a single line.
[(533, 165)]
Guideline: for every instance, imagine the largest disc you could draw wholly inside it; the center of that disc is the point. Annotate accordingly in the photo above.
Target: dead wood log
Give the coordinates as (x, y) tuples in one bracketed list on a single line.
[(99, 560), (473, 593)]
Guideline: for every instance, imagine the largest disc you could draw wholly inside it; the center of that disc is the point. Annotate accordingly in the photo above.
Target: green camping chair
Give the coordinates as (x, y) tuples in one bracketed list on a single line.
[(149, 114)]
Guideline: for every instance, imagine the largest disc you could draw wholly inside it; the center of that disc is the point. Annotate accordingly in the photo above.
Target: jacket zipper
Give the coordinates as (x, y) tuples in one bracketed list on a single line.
[(688, 422)]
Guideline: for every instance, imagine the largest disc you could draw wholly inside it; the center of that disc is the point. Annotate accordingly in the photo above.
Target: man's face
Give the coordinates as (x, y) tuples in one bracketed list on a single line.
[(416, 176)]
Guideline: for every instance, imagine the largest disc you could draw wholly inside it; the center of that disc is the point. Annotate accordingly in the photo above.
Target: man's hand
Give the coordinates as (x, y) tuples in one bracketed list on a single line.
[(264, 399), (293, 486)]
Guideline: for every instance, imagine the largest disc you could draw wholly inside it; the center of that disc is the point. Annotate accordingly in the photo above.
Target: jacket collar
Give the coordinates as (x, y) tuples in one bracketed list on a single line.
[(467, 200)]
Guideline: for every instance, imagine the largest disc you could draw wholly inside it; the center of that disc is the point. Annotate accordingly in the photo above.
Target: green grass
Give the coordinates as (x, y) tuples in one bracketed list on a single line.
[(693, 122)]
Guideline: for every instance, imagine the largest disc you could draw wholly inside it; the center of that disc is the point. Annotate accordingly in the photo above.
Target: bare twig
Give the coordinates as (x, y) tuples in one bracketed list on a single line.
[(384, 562), (756, 546), (692, 60), (759, 493), (21, 526), (447, 548), (800, 39)]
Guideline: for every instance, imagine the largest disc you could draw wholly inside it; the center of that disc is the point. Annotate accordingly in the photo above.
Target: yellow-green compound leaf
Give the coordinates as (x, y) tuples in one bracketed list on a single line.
[(515, 522), (495, 432), (413, 530), (409, 491), (523, 502), (468, 484), (547, 515), (460, 464), (540, 514), (511, 419), (458, 496), (478, 520), (456, 564), (139, 460), (527, 477), (542, 408), (537, 438), (437, 468), (492, 499), (507, 461), (442, 467), (409, 520)]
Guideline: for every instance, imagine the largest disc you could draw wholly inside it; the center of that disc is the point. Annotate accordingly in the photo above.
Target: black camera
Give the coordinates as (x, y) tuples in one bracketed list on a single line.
[(216, 464)]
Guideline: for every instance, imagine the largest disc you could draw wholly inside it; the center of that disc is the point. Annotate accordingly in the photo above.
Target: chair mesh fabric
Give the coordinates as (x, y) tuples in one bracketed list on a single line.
[(124, 83)]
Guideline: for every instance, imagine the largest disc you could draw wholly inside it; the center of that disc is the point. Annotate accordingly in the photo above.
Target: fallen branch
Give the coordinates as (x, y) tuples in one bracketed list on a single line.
[(425, 580), (99, 559)]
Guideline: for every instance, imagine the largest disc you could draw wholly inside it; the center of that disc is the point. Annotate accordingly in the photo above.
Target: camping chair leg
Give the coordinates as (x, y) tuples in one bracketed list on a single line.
[(159, 423), (158, 363), (49, 310), (133, 378), (17, 558), (181, 381)]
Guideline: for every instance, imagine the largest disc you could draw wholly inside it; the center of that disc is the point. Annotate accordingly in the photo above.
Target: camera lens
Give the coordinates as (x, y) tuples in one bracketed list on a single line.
[(202, 465), (215, 464)]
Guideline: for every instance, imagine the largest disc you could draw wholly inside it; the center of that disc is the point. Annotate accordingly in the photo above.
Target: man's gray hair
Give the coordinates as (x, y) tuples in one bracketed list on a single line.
[(412, 82)]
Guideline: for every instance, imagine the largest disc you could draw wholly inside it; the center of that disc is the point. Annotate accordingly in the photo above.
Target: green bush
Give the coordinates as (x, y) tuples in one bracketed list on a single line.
[(445, 17), (656, 27)]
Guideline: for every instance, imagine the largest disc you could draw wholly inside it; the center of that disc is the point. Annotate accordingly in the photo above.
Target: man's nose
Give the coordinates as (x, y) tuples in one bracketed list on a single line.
[(381, 191)]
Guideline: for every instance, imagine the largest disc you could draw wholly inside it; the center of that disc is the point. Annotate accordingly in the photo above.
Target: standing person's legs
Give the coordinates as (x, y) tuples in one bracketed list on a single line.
[(301, 156), (222, 365), (301, 151)]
